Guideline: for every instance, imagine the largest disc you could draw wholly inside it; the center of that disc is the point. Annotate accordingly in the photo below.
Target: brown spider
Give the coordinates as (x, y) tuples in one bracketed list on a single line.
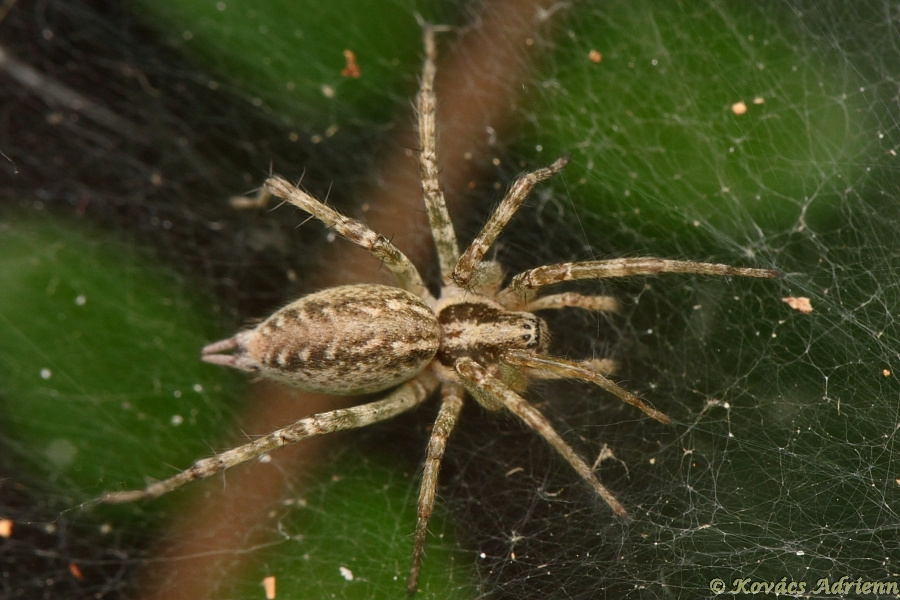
[(475, 336)]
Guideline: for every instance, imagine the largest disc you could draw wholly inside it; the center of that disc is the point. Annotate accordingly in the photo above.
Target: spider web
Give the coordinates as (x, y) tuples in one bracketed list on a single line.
[(760, 135)]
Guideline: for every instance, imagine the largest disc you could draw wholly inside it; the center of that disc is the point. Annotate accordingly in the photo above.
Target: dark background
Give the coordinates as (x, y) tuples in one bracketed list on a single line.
[(125, 129)]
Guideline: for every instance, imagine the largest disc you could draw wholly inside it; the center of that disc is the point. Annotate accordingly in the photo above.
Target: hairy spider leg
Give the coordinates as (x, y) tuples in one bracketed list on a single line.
[(521, 188), (527, 282), (559, 368), (435, 205), (452, 396), (355, 231), (564, 300), (476, 377), (407, 396)]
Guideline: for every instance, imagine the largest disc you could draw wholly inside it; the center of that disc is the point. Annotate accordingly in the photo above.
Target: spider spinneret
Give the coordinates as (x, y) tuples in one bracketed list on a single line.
[(475, 337)]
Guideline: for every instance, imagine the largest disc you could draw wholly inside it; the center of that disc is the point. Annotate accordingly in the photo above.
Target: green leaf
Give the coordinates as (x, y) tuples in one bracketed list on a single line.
[(99, 357)]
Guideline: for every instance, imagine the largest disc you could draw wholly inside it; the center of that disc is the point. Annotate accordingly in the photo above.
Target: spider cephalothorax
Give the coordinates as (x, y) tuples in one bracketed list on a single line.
[(478, 328), (475, 336)]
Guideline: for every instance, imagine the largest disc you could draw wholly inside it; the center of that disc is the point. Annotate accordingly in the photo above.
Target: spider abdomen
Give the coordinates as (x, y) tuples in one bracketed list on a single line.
[(352, 339)]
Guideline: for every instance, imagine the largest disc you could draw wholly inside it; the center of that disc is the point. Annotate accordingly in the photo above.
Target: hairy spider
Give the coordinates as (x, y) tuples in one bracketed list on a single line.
[(476, 336)]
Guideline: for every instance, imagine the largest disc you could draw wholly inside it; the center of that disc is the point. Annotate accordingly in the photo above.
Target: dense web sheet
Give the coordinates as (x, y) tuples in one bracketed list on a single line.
[(761, 136)]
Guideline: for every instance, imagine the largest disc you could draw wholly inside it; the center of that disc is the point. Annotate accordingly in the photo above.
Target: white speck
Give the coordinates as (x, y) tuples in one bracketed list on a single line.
[(80, 300), (177, 393), (654, 62), (176, 420), (800, 552), (106, 529), (482, 555), (46, 373), (328, 91), (197, 388), (346, 573)]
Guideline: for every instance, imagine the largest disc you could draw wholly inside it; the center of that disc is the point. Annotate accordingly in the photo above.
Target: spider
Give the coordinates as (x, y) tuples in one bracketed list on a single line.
[(475, 337)]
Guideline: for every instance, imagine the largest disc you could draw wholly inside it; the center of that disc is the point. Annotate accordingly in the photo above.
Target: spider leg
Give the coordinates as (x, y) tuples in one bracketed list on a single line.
[(259, 201), (477, 378), (566, 299), (355, 231), (558, 368), (435, 205), (452, 401), (525, 283), (604, 366), (405, 397), (470, 259)]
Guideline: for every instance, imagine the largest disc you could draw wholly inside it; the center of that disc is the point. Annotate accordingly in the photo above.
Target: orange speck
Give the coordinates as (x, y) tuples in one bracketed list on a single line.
[(801, 304), (268, 584), (351, 69)]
